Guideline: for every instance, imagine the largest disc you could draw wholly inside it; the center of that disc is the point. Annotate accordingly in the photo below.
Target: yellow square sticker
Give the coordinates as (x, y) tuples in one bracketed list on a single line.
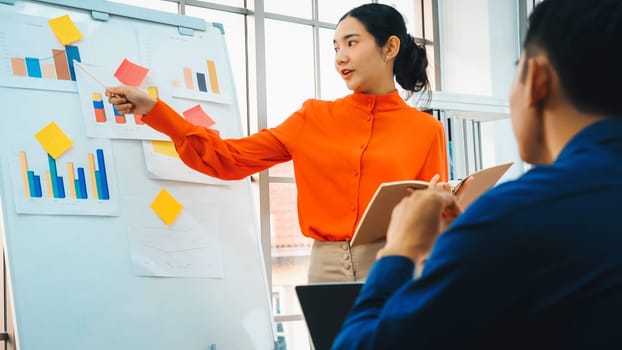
[(166, 207), (53, 140), (65, 30)]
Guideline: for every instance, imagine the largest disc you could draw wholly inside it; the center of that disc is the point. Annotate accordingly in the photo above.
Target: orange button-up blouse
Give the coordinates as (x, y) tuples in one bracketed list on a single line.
[(341, 151)]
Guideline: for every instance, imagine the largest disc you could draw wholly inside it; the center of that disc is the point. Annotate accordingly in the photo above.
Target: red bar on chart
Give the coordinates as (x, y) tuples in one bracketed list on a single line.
[(118, 117), (60, 63)]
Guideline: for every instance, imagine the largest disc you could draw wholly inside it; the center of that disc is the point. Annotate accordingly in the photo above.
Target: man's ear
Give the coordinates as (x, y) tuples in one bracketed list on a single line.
[(391, 48), (538, 81)]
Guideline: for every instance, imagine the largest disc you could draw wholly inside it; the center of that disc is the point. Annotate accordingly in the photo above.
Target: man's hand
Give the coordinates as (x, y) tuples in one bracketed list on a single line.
[(418, 220)]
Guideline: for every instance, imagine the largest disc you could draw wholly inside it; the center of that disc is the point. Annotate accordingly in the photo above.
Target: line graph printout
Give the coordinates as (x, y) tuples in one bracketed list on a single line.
[(180, 71), (189, 248), (82, 181)]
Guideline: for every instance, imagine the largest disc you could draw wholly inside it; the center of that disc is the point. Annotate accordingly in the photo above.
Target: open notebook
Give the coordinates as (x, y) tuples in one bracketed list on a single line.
[(375, 220)]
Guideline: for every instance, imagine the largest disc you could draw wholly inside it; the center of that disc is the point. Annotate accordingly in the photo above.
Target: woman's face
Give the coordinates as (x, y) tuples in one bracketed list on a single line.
[(359, 61)]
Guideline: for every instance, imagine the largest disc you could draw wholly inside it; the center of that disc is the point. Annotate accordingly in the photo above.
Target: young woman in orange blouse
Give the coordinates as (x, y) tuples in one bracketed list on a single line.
[(341, 150)]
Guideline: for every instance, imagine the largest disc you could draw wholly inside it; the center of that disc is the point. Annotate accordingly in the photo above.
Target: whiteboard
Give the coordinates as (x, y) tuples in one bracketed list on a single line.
[(91, 265)]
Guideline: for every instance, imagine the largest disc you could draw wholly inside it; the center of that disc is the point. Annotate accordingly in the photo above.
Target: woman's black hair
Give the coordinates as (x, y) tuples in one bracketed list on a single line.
[(411, 62), (583, 41)]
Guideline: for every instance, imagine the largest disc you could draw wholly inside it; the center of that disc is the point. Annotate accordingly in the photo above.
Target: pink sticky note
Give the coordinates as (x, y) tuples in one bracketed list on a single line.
[(130, 73), (197, 116)]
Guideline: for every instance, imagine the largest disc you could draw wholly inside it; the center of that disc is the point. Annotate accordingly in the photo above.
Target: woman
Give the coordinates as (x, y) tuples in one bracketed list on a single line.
[(341, 150)]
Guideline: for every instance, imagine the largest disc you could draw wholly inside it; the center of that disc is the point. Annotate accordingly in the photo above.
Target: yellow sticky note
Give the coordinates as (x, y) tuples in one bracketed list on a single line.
[(53, 140), (166, 148), (166, 207), (65, 30)]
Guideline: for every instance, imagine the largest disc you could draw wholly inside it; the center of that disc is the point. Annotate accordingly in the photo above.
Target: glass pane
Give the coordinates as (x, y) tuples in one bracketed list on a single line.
[(234, 3), (289, 68), (407, 9), (332, 86), (294, 8), (292, 336), (234, 37), (290, 249), (283, 170), (152, 4), (331, 11)]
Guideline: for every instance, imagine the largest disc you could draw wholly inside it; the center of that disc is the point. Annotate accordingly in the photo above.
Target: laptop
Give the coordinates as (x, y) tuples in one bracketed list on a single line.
[(325, 307)]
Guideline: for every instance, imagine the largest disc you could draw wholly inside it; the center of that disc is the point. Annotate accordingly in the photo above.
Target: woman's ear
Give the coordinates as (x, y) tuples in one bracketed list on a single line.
[(391, 48)]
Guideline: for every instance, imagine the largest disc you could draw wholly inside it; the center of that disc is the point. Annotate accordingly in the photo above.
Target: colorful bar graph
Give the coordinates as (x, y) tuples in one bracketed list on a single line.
[(213, 77), (98, 107), (76, 179), (61, 69)]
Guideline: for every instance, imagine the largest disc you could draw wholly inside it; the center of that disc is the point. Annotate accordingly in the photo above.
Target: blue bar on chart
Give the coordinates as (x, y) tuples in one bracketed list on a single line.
[(33, 67), (99, 177), (34, 183), (80, 184), (58, 186), (101, 174), (72, 54), (201, 82)]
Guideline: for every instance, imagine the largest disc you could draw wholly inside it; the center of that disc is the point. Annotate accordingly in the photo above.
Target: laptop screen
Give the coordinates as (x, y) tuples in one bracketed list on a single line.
[(325, 307)]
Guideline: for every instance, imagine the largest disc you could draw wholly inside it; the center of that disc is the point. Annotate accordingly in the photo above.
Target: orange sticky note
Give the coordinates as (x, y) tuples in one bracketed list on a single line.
[(166, 207), (53, 140), (65, 30), (130, 73), (197, 116)]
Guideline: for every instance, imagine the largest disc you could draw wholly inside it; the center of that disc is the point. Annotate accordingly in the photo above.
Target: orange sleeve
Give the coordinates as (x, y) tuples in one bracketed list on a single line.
[(204, 150)]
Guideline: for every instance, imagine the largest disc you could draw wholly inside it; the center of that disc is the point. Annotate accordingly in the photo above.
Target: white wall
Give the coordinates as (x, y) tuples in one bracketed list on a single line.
[(479, 48)]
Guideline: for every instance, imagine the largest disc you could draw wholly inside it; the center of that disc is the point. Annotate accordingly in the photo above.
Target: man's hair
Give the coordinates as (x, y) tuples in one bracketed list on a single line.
[(583, 41)]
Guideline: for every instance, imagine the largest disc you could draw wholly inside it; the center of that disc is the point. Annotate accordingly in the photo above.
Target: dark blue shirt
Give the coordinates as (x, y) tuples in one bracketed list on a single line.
[(535, 263)]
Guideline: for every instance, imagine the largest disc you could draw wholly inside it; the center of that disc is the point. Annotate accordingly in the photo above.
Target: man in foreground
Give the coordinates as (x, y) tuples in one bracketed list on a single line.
[(535, 263)]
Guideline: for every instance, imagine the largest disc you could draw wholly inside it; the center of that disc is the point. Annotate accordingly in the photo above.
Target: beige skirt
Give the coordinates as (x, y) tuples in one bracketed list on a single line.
[(339, 262)]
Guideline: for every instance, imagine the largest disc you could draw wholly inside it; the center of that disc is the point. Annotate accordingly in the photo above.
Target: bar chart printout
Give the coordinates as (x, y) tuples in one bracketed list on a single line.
[(79, 185), (200, 84), (101, 118), (31, 56), (59, 65)]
